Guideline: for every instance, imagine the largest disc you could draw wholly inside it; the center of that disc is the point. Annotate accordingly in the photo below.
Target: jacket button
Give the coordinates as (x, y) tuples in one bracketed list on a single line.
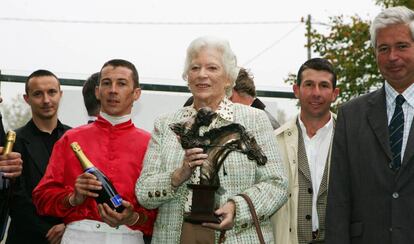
[(289, 133), (150, 194), (395, 195), (244, 225), (262, 218), (310, 191), (98, 226), (157, 193), (308, 217), (164, 193)]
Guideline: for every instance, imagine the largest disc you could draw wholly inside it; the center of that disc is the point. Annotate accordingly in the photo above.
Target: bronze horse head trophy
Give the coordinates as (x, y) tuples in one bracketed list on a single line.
[(217, 143)]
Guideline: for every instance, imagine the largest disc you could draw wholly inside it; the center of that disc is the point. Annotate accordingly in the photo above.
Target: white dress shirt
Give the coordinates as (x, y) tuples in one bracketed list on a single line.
[(317, 150)]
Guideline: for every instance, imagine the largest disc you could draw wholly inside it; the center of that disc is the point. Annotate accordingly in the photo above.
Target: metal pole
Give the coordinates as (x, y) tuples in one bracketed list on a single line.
[(308, 29)]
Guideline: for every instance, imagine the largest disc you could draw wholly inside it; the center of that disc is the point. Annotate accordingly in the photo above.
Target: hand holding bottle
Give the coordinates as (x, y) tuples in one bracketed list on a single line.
[(86, 185), (105, 194), (127, 217), (11, 164)]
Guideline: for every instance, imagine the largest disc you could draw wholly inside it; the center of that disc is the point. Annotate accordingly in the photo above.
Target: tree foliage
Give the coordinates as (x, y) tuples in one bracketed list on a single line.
[(347, 45), (390, 3)]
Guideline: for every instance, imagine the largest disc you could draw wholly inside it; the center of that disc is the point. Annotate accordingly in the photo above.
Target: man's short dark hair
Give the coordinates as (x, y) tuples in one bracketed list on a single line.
[(123, 63), (92, 104), (244, 83), (38, 73), (319, 64)]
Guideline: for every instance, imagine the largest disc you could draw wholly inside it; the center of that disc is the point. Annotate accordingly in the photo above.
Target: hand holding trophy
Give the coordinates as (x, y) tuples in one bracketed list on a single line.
[(217, 143)]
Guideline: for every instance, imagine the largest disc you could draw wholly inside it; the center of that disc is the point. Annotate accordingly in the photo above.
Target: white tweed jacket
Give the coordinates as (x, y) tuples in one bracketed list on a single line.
[(266, 185)]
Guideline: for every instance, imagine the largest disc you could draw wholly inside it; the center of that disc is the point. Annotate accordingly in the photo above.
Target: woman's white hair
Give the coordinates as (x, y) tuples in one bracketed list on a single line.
[(392, 16), (228, 58)]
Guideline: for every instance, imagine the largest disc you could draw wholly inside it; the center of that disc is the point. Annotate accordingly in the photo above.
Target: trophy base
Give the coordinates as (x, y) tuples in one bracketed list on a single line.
[(203, 205), (199, 218)]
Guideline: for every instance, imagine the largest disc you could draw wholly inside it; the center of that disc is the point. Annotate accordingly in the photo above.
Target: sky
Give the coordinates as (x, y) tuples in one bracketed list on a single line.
[(74, 38), (152, 34)]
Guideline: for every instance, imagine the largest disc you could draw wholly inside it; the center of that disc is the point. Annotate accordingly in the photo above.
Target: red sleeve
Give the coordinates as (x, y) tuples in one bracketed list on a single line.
[(151, 215), (57, 183)]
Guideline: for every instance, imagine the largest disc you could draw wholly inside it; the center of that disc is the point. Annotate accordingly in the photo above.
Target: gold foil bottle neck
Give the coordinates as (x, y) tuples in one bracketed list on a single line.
[(85, 163), (10, 140)]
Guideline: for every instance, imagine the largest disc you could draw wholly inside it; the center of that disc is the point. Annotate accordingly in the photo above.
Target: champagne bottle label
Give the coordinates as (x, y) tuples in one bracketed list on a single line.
[(116, 199), (8, 147), (108, 193)]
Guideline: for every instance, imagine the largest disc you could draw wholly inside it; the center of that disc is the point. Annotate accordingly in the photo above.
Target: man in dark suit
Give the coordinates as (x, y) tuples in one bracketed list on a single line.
[(35, 142), (92, 104), (371, 189)]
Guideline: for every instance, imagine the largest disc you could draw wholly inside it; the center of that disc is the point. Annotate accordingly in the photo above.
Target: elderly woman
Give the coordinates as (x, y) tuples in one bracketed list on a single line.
[(211, 69)]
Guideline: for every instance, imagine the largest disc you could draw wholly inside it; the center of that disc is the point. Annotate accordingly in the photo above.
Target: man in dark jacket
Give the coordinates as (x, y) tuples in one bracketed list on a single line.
[(35, 142), (371, 188)]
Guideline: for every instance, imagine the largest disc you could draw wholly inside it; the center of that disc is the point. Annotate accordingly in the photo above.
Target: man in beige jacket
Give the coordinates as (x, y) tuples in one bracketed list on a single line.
[(305, 144)]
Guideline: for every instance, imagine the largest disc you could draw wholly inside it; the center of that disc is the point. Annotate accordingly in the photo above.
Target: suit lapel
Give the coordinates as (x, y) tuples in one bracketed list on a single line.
[(324, 183), (377, 118), (303, 165), (36, 149)]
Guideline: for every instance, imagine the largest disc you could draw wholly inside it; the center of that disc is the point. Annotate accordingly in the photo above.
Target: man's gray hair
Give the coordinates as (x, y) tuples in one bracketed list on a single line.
[(392, 16)]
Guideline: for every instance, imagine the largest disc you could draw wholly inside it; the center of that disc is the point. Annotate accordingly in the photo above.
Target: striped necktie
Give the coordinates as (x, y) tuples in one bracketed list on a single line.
[(396, 130)]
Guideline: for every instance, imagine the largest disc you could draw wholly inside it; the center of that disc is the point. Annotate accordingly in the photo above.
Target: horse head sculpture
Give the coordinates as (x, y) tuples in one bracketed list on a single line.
[(188, 130), (217, 143)]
